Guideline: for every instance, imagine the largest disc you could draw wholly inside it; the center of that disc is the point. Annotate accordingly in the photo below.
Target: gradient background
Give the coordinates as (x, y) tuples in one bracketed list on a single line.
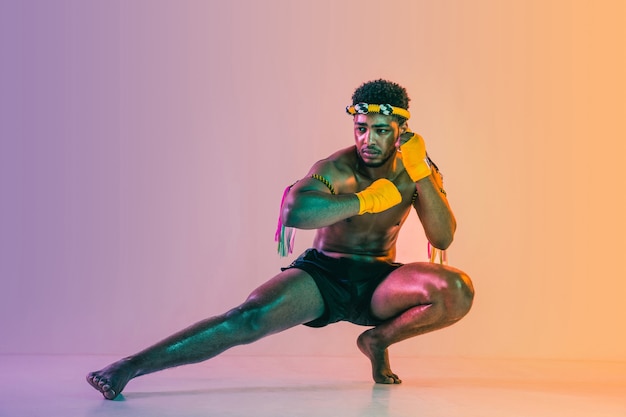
[(145, 146)]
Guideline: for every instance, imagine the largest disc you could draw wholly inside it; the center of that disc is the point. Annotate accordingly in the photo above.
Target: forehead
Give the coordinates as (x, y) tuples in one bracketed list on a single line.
[(374, 119)]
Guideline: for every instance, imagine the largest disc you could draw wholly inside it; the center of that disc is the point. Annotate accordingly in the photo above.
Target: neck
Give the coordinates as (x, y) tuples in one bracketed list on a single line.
[(386, 169)]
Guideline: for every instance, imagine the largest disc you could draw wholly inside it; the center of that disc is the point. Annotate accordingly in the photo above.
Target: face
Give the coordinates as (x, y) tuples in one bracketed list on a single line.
[(376, 136)]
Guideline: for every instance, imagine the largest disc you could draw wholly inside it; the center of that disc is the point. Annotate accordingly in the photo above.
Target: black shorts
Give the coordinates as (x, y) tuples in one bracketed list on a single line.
[(346, 286)]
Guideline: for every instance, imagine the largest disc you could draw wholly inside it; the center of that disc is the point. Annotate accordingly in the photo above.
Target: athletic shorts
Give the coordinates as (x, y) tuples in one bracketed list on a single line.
[(346, 286)]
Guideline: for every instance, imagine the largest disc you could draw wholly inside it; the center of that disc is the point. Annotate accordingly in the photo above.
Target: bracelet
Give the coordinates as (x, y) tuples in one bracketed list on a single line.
[(324, 181)]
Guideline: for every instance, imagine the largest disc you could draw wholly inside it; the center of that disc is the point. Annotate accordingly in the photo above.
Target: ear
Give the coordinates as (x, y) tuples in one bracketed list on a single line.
[(405, 134)]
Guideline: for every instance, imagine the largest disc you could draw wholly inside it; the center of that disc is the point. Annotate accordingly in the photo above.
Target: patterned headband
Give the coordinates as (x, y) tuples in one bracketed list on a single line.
[(386, 109)]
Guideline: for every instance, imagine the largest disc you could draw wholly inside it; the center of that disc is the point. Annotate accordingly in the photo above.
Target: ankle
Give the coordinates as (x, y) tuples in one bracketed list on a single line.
[(133, 365)]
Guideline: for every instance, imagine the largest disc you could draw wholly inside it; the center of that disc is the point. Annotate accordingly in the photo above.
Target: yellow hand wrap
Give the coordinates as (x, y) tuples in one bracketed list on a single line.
[(414, 157), (381, 195)]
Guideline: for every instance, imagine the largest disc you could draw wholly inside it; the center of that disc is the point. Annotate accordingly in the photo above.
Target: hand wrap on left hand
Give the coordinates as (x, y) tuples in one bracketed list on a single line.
[(414, 157)]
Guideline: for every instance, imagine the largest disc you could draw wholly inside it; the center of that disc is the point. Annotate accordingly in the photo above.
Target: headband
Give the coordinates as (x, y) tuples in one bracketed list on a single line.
[(386, 109)]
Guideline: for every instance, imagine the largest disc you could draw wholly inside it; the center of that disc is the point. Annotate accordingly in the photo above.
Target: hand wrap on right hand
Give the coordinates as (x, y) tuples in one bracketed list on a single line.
[(381, 195)]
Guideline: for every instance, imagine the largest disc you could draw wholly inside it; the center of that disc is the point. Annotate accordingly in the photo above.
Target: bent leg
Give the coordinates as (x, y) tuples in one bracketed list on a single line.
[(414, 299), (289, 299)]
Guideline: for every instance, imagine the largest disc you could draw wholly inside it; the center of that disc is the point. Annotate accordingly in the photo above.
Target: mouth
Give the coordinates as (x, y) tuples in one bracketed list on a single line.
[(370, 152)]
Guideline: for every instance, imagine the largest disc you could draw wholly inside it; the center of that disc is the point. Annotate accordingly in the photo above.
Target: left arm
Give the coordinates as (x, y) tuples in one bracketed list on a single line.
[(434, 211), (431, 203)]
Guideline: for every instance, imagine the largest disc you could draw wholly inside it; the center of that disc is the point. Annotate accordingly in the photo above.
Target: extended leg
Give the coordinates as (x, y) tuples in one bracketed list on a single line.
[(288, 299), (415, 299)]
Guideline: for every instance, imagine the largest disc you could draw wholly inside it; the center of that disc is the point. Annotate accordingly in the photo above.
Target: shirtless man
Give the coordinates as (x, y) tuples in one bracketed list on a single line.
[(357, 199)]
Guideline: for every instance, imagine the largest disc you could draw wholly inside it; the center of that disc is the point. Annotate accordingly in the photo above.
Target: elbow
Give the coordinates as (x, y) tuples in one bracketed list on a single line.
[(442, 242), (444, 238), (294, 214), (287, 215), (290, 217), (299, 219)]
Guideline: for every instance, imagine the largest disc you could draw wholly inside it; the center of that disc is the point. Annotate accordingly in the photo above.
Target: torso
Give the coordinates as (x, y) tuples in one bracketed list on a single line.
[(368, 237)]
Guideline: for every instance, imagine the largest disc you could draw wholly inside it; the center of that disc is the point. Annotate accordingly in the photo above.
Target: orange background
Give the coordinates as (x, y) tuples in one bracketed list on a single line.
[(145, 147)]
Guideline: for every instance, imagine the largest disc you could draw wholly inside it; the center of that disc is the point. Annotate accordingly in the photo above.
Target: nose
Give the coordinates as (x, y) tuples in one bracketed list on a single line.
[(370, 137)]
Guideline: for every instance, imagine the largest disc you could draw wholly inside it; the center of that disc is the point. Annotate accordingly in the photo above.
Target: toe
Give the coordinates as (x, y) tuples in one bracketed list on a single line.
[(109, 394), (386, 380), (93, 381)]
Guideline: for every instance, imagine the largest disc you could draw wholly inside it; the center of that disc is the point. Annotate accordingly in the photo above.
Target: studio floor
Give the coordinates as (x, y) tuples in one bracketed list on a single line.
[(230, 385)]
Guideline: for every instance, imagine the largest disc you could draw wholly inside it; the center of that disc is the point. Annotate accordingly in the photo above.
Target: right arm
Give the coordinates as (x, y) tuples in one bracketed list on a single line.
[(311, 205)]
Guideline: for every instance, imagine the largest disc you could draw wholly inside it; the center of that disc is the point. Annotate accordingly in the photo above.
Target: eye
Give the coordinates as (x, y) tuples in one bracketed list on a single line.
[(360, 129), (383, 131)]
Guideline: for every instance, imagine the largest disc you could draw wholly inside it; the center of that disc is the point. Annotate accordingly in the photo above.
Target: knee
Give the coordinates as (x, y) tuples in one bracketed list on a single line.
[(459, 295), (248, 320)]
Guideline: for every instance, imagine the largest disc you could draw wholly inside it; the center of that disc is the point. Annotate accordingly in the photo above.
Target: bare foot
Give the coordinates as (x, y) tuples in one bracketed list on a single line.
[(379, 356), (110, 381)]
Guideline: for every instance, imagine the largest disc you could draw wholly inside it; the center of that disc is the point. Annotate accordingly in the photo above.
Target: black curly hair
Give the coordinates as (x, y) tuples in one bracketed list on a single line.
[(382, 92)]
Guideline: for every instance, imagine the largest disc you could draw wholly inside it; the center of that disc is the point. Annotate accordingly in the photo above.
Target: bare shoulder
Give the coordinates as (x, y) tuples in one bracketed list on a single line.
[(338, 168), (334, 171)]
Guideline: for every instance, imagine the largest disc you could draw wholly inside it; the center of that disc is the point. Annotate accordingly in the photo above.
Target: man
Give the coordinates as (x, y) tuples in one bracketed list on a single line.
[(357, 199)]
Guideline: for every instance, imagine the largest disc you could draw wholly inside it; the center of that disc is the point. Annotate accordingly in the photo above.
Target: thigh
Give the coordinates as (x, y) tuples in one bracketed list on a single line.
[(413, 284), (288, 299)]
